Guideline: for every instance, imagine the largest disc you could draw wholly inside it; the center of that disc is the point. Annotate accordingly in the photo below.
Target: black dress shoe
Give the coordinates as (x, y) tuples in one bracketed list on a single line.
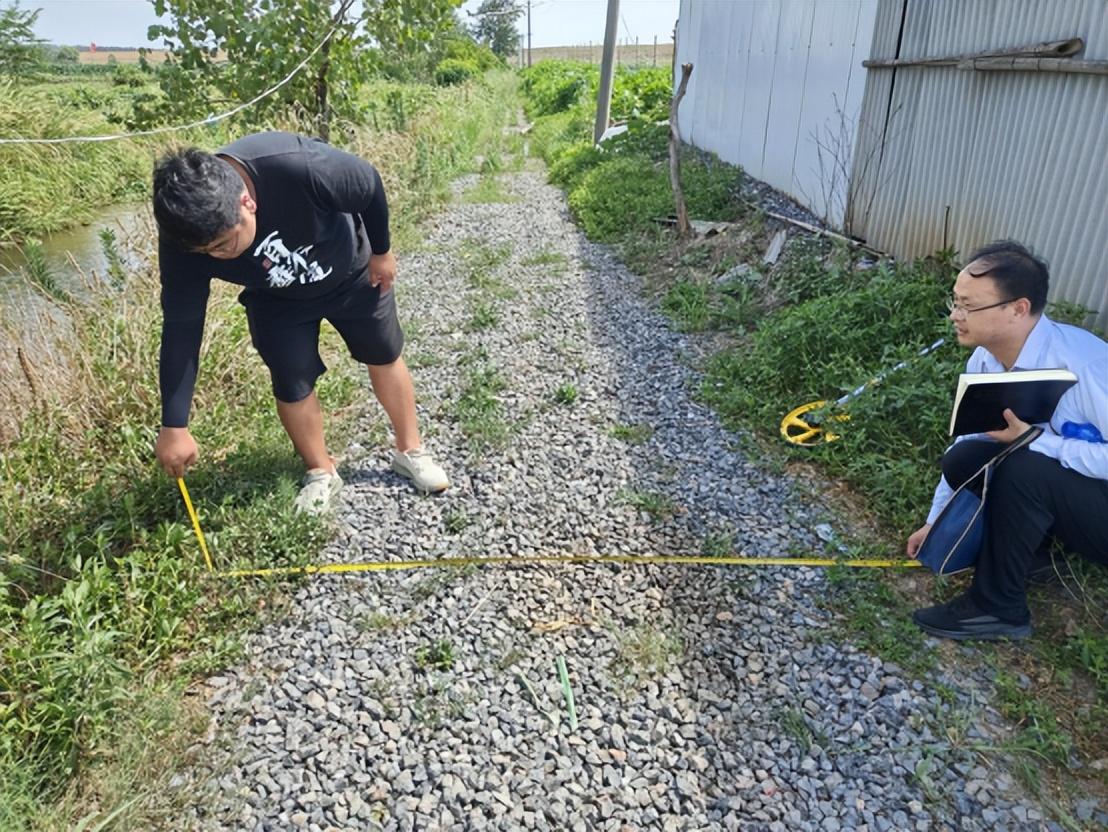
[(963, 620)]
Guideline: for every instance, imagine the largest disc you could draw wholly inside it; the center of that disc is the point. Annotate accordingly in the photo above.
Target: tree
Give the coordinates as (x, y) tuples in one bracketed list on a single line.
[(225, 52), (20, 50), (496, 26)]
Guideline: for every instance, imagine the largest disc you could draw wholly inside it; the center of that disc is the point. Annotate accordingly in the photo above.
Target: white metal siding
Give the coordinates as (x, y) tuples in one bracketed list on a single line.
[(769, 77), (969, 156)]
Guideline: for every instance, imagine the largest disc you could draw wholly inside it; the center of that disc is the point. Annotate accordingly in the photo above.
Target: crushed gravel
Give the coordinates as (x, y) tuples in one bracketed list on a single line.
[(707, 697)]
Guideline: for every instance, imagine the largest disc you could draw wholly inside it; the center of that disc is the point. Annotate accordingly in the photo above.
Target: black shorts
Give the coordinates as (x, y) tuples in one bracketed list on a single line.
[(286, 332)]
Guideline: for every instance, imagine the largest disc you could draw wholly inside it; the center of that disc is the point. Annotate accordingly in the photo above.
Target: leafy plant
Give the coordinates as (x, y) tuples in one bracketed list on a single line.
[(438, 656), (565, 394)]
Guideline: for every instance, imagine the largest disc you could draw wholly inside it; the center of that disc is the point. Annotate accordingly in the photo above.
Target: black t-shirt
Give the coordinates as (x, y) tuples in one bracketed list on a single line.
[(320, 211)]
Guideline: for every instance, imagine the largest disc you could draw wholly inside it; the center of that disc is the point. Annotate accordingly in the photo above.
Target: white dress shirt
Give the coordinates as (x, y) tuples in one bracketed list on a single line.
[(1051, 345)]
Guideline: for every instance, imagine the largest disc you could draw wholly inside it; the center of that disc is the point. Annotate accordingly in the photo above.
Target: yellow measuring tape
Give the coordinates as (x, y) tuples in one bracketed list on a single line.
[(525, 560), (195, 523)]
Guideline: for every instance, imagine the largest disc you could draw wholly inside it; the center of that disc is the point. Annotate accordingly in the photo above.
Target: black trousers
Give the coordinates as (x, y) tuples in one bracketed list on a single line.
[(1030, 497)]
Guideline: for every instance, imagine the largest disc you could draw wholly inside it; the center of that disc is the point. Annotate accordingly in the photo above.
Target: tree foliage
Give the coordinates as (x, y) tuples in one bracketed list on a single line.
[(20, 51), (495, 26), (226, 52)]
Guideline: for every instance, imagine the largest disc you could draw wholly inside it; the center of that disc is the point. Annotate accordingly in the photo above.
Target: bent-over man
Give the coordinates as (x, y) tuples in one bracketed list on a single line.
[(304, 228)]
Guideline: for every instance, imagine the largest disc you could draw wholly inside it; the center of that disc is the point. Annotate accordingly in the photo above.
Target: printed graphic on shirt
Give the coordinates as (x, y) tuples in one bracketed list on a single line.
[(285, 267)]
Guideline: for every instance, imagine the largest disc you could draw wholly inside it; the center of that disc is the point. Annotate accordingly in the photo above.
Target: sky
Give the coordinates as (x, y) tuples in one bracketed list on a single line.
[(553, 22)]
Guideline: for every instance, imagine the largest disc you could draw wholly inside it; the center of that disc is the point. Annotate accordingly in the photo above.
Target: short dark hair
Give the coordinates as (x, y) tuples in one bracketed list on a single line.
[(196, 197), (1017, 272)]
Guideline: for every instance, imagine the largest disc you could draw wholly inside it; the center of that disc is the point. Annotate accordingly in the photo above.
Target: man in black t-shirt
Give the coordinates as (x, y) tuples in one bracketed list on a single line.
[(304, 228)]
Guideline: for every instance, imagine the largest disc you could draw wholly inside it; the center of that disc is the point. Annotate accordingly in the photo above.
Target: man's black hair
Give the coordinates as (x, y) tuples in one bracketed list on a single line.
[(196, 197), (1018, 273)]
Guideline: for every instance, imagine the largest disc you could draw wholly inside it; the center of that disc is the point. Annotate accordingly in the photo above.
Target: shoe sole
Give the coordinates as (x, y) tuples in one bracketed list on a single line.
[(1015, 634)]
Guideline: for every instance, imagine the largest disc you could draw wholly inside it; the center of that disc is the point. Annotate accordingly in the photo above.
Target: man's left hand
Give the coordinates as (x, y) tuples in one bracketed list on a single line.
[(382, 270), (1016, 428)]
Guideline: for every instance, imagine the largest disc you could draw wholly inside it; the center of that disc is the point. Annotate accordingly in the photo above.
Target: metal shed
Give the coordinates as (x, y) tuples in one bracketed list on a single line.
[(914, 158)]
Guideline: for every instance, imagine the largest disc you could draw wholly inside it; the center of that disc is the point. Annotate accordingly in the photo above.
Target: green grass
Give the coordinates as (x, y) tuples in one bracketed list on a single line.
[(566, 394), (483, 316), (718, 544), (659, 506), (637, 434), (545, 257), (45, 188), (436, 656), (456, 521), (488, 190), (477, 408)]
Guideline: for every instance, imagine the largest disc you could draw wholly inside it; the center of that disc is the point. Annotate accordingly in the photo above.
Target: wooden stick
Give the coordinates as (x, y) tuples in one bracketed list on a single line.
[(683, 227), (1046, 49), (815, 229), (1029, 64)]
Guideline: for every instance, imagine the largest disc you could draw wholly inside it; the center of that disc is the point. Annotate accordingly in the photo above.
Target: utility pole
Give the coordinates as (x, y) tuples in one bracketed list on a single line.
[(604, 95), (528, 32)]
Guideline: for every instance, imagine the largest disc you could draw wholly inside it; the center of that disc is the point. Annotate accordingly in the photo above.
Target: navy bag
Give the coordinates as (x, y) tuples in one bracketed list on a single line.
[(958, 533)]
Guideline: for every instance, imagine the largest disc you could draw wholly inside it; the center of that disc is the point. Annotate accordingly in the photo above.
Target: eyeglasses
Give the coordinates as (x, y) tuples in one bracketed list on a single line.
[(960, 312)]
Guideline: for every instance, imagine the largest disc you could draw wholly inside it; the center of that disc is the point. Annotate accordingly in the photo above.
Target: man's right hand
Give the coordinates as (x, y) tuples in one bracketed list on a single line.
[(915, 540), (176, 450)]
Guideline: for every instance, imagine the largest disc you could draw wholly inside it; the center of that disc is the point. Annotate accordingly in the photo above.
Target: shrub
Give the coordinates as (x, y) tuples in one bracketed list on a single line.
[(455, 71), (556, 86), (625, 194), (574, 163), (641, 92)]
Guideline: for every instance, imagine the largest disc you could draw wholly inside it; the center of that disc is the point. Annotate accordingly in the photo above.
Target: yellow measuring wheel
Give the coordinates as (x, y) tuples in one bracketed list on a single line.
[(798, 431)]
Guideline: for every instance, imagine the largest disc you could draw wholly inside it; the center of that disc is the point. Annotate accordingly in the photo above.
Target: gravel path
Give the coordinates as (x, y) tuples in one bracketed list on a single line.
[(707, 697)]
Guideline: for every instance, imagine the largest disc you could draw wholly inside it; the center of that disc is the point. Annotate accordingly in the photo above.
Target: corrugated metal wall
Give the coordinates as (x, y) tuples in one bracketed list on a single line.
[(772, 81), (959, 157)]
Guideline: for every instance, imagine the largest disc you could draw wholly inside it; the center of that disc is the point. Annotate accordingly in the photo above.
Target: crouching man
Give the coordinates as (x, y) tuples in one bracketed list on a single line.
[(1057, 486)]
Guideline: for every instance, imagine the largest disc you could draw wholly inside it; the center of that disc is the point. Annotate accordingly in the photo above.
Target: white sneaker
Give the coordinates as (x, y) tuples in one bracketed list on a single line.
[(420, 467), (317, 495)]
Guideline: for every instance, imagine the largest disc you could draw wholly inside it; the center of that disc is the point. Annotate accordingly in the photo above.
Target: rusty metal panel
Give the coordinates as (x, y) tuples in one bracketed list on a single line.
[(959, 158)]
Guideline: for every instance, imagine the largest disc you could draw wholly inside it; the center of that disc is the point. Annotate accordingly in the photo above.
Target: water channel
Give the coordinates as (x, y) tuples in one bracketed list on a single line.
[(78, 251)]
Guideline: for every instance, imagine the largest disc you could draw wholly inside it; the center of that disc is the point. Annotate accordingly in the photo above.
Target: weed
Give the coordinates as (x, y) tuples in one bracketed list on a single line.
[(455, 521), (380, 622), (565, 394), (437, 656), (795, 724), (1039, 734), (877, 617), (647, 650), (636, 434), (483, 316), (479, 257), (718, 544), (478, 408), (544, 257), (659, 506)]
